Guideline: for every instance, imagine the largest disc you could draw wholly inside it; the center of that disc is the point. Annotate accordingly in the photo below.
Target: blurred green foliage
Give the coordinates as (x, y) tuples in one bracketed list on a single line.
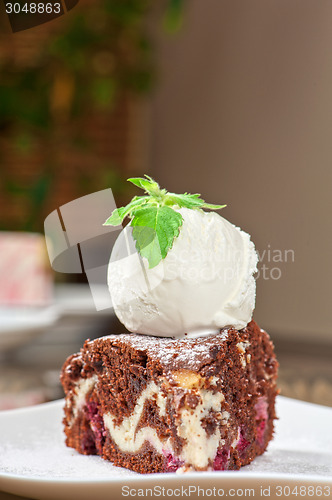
[(102, 50)]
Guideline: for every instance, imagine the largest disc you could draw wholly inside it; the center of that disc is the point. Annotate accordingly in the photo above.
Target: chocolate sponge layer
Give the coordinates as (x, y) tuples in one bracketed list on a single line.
[(156, 404)]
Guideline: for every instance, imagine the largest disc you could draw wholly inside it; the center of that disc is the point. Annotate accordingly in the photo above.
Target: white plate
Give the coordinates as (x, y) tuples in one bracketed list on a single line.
[(20, 324), (34, 461)]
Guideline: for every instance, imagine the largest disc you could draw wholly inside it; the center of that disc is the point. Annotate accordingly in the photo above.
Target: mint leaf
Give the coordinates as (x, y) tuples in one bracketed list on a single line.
[(190, 201), (155, 222), (154, 230), (184, 200), (147, 245), (149, 185), (116, 217), (119, 214), (213, 207)]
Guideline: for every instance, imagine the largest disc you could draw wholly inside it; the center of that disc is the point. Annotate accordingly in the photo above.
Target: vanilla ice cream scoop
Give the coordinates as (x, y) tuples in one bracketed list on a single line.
[(204, 283)]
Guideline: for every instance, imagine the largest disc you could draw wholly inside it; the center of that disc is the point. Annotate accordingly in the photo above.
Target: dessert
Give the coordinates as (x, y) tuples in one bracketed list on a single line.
[(194, 386), (162, 405)]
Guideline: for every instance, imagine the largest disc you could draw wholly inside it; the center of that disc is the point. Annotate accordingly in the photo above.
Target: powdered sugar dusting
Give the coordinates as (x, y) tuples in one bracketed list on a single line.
[(63, 462), (190, 353), (39, 451)]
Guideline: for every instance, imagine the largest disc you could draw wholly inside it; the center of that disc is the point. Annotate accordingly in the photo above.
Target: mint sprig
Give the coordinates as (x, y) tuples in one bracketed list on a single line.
[(154, 221)]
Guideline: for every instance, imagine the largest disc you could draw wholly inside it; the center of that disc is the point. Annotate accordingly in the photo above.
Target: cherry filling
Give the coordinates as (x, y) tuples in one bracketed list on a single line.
[(260, 432), (242, 444), (221, 459), (88, 446), (95, 433), (261, 408), (172, 463)]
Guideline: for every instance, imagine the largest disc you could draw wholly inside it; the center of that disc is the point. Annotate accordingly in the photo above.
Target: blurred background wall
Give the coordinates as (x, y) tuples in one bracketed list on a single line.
[(243, 115), (72, 107)]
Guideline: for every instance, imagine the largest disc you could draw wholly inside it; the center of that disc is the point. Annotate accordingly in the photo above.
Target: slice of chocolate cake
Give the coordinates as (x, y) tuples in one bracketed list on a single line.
[(163, 405)]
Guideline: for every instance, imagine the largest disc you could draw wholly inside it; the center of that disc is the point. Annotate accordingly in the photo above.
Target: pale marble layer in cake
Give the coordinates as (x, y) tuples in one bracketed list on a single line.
[(199, 449)]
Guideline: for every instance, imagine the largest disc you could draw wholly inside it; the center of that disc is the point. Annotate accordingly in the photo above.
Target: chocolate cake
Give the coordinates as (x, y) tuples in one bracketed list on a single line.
[(155, 404)]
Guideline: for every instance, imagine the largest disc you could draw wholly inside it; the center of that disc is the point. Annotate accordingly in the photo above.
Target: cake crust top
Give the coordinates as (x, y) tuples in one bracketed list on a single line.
[(188, 353)]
